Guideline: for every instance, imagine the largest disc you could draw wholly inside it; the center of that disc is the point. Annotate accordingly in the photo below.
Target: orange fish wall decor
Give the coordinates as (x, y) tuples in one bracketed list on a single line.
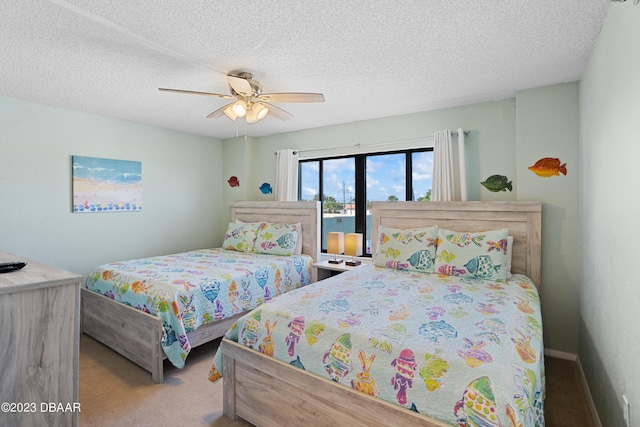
[(548, 167)]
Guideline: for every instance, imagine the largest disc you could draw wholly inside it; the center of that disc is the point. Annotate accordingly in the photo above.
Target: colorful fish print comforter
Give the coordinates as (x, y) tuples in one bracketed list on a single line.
[(189, 289), (465, 351)]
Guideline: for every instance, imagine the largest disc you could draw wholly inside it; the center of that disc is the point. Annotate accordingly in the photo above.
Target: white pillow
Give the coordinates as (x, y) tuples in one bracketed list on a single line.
[(509, 255)]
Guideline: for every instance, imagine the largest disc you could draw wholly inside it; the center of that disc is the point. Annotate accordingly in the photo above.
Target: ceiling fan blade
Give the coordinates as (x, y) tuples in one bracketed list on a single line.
[(219, 112), (277, 112), (240, 85), (291, 97), (192, 92)]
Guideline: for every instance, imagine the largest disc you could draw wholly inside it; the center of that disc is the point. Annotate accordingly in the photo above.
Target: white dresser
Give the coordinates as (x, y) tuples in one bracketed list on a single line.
[(39, 345)]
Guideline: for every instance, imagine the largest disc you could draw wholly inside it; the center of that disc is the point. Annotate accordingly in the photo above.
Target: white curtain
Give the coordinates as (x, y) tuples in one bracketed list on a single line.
[(287, 175), (449, 168)]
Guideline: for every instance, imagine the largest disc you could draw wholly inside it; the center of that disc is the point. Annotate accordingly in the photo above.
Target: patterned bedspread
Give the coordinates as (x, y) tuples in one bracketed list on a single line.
[(189, 289), (463, 351)]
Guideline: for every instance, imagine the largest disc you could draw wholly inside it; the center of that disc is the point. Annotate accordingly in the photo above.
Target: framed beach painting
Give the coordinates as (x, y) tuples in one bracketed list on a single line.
[(106, 185)]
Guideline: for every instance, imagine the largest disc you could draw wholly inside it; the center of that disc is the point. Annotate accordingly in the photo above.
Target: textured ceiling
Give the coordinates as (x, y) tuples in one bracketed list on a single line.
[(370, 59)]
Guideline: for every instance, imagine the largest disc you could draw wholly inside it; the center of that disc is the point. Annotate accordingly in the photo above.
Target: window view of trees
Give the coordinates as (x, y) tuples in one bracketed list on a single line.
[(330, 204), (426, 197)]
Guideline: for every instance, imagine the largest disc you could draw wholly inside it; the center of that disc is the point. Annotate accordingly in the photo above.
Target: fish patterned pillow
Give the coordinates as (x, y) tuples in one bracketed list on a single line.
[(481, 255), (277, 239), (413, 249), (298, 248), (240, 237)]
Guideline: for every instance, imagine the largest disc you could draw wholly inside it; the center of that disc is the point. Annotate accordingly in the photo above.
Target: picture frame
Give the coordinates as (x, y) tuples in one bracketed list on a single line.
[(106, 185)]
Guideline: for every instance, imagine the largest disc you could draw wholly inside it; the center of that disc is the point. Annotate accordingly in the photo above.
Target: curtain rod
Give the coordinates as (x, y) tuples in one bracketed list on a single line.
[(399, 141)]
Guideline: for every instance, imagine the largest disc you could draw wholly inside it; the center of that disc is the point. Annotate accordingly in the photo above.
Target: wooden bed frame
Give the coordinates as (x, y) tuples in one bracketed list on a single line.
[(267, 392), (137, 335)]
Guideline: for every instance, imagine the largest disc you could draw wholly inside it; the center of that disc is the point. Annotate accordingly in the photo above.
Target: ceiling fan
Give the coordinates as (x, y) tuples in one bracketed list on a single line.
[(250, 102)]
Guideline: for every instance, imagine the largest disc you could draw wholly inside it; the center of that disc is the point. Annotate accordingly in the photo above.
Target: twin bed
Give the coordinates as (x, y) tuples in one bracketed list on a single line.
[(381, 345), (156, 308)]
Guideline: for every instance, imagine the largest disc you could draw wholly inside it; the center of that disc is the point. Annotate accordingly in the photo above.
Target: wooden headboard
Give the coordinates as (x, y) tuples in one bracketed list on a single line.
[(523, 219), (306, 213)]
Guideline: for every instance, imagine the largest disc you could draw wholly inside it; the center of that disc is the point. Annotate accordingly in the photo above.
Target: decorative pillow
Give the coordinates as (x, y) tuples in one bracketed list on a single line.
[(296, 251), (240, 237), (481, 255), (277, 239), (413, 249)]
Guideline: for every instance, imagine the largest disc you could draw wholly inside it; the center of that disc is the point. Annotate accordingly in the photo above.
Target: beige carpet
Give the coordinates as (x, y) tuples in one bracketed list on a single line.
[(116, 392), (566, 403)]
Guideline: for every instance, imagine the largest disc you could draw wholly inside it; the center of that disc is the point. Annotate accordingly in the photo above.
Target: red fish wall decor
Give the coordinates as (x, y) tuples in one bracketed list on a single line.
[(234, 181), (548, 167)]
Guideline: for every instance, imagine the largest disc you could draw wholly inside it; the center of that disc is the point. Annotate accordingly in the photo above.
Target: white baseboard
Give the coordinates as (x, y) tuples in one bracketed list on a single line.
[(560, 354), (590, 403)]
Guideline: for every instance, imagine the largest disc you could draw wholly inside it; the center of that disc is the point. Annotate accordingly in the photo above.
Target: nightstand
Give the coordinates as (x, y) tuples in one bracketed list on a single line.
[(324, 269)]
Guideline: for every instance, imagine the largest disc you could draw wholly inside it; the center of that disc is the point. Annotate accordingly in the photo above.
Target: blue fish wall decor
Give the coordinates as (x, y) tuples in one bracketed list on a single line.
[(265, 188)]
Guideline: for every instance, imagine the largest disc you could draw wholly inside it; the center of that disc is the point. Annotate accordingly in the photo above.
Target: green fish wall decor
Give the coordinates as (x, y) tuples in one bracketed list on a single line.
[(497, 183)]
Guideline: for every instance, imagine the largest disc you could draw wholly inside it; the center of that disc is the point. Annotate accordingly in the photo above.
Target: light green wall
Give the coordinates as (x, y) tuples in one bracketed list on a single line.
[(610, 149), (181, 188), (238, 155), (547, 123)]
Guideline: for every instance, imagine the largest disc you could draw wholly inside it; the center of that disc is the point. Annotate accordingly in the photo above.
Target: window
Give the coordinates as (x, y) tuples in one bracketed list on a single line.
[(348, 185)]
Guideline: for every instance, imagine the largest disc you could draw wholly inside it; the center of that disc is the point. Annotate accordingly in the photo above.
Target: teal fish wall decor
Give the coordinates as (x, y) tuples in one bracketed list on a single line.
[(265, 188)]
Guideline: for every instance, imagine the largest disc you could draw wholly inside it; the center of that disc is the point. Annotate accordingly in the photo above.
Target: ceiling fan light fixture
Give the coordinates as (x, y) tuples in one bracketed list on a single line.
[(256, 113), (239, 108), (229, 113), (251, 116), (260, 110)]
